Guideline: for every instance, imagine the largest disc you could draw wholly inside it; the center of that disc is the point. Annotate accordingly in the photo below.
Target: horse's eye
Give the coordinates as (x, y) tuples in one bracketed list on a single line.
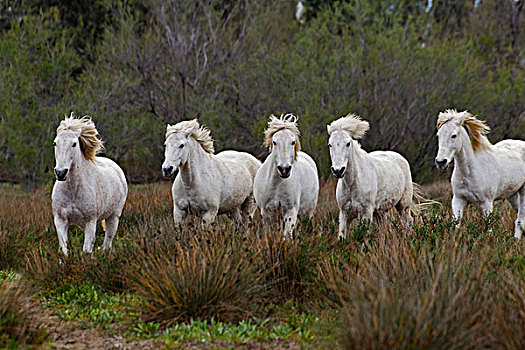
[(181, 146), (74, 144), (293, 143), (274, 143), (454, 136), (54, 144), (329, 145), (348, 144)]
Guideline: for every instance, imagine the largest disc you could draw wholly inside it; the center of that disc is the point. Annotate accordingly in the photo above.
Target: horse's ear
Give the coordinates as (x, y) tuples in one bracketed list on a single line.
[(328, 129), (461, 117)]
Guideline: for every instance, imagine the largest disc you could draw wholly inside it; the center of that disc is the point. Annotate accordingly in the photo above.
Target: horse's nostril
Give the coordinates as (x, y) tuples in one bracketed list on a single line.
[(167, 170), (61, 174), (342, 170)]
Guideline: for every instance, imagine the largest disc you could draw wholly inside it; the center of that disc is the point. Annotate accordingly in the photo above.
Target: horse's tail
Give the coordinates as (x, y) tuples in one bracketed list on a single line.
[(419, 201)]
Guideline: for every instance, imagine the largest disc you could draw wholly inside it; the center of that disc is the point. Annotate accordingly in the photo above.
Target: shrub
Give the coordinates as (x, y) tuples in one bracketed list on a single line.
[(402, 296), (211, 276), (18, 322)]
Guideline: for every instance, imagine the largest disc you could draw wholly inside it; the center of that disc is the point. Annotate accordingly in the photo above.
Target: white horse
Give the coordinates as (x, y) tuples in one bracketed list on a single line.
[(369, 183), (288, 179), (483, 172), (88, 188), (207, 184)]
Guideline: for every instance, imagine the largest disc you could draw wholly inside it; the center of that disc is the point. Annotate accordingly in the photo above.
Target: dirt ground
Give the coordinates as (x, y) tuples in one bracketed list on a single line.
[(70, 335)]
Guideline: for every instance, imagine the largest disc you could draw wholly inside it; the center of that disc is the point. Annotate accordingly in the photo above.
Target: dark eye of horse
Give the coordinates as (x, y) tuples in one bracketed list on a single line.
[(329, 145), (274, 143), (348, 144), (181, 146), (54, 144), (293, 143), (74, 144), (454, 136)]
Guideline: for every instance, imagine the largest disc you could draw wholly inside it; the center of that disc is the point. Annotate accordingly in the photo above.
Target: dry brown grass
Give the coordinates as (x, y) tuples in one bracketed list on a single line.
[(18, 321), (430, 286)]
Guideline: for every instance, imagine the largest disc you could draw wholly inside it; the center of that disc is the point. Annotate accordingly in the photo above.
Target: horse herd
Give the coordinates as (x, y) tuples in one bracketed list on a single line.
[(91, 188)]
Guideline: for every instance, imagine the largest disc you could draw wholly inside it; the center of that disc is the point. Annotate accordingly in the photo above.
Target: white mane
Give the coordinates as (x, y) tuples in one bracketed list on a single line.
[(476, 129), (90, 144), (284, 122), (351, 123), (201, 134)]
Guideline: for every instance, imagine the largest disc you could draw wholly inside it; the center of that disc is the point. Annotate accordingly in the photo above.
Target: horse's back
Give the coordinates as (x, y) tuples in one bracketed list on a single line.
[(243, 158), (394, 178), (112, 183), (512, 149)]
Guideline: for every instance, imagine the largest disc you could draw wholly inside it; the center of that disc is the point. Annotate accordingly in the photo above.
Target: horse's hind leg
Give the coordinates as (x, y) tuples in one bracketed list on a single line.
[(520, 220), (89, 235), (514, 201), (111, 230), (249, 207), (403, 208)]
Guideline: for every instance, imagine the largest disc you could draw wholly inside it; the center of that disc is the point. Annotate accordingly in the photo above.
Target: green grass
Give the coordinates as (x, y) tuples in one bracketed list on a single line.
[(87, 304)]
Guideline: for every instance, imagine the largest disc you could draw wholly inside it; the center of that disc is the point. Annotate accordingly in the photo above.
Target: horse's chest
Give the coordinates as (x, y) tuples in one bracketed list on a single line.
[(77, 213)]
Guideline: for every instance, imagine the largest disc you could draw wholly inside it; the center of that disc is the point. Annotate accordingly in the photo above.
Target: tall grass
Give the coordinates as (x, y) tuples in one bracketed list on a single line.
[(427, 286), (19, 325)]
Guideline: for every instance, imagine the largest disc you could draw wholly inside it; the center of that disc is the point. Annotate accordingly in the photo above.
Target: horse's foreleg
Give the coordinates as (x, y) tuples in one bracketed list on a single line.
[(89, 236), (343, 224), (178, 215), (111, 230), (520, 220), (61, 227), (458, 204), (208, 217), (236, 215), (487, 208), (290, 220), (367, 214)]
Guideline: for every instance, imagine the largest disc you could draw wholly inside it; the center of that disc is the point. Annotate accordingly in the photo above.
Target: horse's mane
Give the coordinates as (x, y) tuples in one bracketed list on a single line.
[(201, 134), (284, 122), (351, 123), (90, 144), (476, 128)]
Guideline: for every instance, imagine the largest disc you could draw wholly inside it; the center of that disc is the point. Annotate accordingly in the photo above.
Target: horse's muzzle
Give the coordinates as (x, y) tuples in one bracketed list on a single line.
[(284, 171), (168, 171), (442, 164), (338, 173), (61, 174)]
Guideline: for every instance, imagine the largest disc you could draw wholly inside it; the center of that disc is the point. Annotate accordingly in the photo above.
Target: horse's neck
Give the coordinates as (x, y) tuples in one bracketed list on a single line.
[(466, 161), (198, 159), (358, 160), (78, 173)]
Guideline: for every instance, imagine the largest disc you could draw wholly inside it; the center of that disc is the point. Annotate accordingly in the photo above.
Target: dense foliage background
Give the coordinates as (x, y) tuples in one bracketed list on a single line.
[(136, 65)]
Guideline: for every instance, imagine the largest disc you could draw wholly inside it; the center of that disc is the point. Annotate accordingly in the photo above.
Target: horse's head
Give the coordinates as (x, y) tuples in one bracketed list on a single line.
[(342, 133), (177, 151), (284, 148), (450, 141), (67, 152), (340, 144)]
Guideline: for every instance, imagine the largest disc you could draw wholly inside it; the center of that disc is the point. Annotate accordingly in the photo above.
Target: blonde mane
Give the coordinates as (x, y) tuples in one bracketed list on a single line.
[(476, 129), (201, 134), (351, 123), (90, 144), (284, 122)]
